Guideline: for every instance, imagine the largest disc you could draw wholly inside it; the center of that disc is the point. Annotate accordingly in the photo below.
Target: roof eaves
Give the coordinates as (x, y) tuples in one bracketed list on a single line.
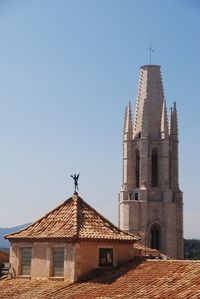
[(38, 239)]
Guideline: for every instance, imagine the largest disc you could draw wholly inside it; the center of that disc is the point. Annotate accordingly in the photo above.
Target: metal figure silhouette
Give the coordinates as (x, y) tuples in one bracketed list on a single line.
[(151, 51), (75, 178)]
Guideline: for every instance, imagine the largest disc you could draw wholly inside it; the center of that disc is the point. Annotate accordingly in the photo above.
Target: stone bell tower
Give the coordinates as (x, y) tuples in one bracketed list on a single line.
[(150, 202)]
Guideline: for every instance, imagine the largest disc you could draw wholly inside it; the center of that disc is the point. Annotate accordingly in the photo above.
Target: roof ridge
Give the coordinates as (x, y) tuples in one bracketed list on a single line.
[(75, 213)]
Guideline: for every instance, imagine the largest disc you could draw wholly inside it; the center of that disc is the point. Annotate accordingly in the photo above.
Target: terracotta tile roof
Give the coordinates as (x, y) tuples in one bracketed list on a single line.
[(149, 279), (29, 289), (72, 220)]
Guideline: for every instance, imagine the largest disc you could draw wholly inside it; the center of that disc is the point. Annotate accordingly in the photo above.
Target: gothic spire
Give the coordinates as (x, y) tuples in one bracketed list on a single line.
[(149, 106)]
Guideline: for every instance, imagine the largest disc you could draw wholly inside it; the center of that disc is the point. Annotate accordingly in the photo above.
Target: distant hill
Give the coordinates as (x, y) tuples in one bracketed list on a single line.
[(4, 231)]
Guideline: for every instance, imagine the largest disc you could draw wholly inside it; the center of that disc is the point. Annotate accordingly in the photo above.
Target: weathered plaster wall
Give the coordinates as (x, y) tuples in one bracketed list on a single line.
[(79, 259), (42, 259), (87, 255)]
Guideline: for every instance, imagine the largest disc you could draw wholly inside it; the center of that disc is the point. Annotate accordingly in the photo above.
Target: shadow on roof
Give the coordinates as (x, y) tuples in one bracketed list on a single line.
[(109, 275)]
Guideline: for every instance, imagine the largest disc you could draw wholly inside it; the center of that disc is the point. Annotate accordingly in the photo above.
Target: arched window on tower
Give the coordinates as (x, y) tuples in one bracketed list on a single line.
[(137, 169), (155, 236), (154, 169)]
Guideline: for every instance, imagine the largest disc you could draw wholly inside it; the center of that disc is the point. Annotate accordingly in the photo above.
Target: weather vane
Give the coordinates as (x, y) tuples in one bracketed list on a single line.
[(75, 178), (151, 50)]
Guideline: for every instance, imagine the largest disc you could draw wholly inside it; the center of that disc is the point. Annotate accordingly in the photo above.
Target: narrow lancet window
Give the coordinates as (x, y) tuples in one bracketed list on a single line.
[(137, 170), (155, 237), (154, 169)]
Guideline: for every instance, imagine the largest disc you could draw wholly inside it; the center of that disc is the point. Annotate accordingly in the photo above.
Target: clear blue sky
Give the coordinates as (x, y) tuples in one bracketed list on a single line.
[(67, 70)]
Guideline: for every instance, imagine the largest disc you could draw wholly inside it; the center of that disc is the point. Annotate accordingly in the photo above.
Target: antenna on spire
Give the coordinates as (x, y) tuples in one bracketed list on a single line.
[(151, 50)]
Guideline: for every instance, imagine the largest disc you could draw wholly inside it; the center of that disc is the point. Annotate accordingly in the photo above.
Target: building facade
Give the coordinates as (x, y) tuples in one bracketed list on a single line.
[(68, 243), (150, 201)]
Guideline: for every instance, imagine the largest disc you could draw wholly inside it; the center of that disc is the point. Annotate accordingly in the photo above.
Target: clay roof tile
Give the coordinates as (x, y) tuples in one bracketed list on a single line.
[(146, 279), (73, 219)]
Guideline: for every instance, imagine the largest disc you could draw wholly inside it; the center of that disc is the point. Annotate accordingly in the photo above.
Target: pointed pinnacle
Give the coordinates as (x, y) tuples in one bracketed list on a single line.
[(174, 123), (164, 122), (125, 117), (128, 122)]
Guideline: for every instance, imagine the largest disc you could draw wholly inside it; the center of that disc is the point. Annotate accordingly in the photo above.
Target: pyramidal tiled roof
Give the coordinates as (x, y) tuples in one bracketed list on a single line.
[(73, 220)]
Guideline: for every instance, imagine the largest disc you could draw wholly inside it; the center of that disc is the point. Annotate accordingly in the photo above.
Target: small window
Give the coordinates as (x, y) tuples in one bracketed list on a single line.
[(136, 196), (58, 262), (130, 196), (105, 257), (26, 254)]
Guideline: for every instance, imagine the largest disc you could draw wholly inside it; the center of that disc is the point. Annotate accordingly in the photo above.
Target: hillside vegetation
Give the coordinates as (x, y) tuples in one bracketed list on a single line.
[(192, 249)]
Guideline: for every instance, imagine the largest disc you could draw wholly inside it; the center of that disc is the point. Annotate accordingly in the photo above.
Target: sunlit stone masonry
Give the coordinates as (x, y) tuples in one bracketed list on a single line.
[(150, 201)]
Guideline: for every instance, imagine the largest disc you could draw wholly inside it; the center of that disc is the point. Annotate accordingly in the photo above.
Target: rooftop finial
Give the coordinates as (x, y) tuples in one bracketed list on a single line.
[(75, 178), (151, 50)]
